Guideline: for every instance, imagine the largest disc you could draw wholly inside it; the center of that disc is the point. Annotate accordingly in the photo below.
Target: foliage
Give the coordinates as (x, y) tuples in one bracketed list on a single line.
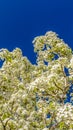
[(32, 97)]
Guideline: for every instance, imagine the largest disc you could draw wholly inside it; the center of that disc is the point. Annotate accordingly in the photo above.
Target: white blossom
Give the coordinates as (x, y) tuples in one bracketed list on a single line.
[(32, 96)]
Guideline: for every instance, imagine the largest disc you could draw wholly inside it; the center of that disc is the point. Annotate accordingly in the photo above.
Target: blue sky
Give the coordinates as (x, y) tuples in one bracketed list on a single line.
[(22, 20)]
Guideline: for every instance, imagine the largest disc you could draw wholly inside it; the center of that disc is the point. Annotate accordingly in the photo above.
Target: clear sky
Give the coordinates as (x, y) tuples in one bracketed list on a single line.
[(22, 20)]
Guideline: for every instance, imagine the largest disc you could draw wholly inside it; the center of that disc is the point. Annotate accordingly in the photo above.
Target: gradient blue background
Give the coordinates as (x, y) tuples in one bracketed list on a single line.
[(22, 20)]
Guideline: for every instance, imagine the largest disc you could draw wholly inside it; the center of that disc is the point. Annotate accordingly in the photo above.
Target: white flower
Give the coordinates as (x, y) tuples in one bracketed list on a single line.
[(21, 82), (45, 129), (71, 62)]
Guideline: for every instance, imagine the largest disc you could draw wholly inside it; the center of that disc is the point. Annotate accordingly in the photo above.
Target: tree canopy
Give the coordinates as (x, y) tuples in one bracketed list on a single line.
[(33, 96)]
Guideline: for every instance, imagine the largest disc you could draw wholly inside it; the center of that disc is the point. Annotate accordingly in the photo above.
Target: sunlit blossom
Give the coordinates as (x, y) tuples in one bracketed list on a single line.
[(32, 97)]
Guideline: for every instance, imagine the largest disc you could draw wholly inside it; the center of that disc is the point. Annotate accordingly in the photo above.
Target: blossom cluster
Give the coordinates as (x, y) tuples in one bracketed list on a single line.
[(32, 95), (65, 112)]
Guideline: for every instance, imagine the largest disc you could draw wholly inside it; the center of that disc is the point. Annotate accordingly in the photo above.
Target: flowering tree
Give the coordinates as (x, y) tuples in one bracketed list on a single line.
[(33, 97)]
